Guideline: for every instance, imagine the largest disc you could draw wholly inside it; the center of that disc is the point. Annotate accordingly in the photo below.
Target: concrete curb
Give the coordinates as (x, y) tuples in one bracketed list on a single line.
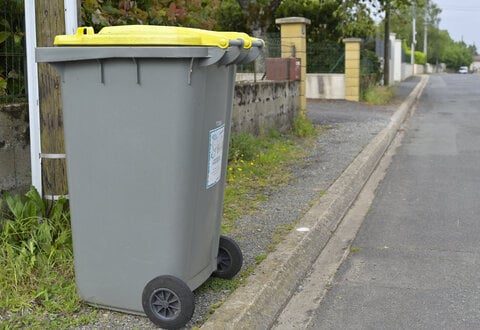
[(256, 304)]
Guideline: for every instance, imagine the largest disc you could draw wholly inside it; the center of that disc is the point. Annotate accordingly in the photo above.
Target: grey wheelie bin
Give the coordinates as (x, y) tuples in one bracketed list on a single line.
[(147, 114)]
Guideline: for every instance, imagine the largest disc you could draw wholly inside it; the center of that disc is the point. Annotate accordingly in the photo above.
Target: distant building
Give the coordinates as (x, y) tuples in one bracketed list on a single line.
[(475, 66)]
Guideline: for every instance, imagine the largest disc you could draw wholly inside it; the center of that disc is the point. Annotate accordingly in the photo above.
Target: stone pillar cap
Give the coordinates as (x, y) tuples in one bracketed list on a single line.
[(352, 40), (292, 20)]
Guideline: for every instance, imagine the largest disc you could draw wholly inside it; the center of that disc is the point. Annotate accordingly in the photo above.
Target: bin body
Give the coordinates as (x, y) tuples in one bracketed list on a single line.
[(146, 139)]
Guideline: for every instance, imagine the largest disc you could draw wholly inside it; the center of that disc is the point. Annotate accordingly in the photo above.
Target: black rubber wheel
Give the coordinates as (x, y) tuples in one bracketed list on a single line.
[(229, 259), (168, 302)]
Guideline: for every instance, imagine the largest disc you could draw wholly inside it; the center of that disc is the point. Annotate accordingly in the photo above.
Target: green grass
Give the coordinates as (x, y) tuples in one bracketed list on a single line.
[(258, 165), (36, 264), (378, 95)]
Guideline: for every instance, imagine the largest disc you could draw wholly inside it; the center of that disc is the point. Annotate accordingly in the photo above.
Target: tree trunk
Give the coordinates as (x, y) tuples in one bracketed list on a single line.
[(49, 23)]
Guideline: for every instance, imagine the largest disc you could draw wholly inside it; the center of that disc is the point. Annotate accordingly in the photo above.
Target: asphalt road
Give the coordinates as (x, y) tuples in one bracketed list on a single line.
[(415, 262)]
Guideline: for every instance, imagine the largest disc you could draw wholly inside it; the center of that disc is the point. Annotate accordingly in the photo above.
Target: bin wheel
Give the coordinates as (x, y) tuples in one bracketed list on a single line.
[(229, 259), (168, 302)]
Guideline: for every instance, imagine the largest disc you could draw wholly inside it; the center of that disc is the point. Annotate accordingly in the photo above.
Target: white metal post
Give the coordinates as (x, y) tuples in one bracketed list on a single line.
[(33, 99), (414, 36), (32, 77), (70, 16)]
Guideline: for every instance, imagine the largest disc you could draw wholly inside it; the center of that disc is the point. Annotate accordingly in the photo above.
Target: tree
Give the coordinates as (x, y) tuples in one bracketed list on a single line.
[(189, 13), (331, 20), (231, 17), (260, 14), (387, 7), (401, 23), (440, 46), (457, 54)]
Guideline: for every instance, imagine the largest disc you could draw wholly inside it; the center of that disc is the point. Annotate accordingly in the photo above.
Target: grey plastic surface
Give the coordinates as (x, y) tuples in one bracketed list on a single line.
[(146, 179), (64, 54)]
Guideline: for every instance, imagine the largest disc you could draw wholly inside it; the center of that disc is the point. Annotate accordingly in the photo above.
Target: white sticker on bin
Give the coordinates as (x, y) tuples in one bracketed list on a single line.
[(215, 152)]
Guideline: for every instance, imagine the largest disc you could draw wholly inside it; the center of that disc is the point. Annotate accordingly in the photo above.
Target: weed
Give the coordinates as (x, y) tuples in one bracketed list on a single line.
[(378, 95), (280, 233), (260, 258), (355, 249), (242, 146), (216, 284), (303, 127), (36, 263), (256, 166)]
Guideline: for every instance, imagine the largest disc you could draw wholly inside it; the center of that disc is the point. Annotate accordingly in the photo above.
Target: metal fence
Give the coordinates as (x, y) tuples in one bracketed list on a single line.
[(12, 52), (325, 58)]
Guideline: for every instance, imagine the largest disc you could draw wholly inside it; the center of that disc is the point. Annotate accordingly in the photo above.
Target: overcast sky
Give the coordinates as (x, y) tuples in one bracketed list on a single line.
[(461, 18)]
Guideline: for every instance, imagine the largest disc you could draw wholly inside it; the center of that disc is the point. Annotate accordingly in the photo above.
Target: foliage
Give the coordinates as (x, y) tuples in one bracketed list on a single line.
[(401, 24), (456, 55), (303, 127), (355, 19), (440, 46), (331, 20), (370, 69), (231, 17), (378, 95), (325, 57), (36, 262), (12, 84), (192, 13), (420, 57), (259, 14)]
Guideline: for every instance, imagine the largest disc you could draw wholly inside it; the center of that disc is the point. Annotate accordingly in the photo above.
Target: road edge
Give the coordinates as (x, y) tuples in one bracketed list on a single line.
[(264, 294)]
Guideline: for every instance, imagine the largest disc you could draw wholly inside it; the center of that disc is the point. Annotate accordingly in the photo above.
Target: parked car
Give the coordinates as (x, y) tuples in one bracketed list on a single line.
[(463, 69)]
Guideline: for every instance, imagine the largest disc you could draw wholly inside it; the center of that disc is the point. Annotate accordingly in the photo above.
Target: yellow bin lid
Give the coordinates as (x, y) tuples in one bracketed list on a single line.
[(151, 35)]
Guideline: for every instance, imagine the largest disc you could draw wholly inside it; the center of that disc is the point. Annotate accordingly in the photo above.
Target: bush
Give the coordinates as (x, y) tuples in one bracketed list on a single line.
[(36, 260), (303, 127), (378, 95), (242, 145)]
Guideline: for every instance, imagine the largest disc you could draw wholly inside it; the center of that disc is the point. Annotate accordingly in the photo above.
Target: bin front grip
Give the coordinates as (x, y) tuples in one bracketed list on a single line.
[(214, 55), (231, 55), (253, 53)]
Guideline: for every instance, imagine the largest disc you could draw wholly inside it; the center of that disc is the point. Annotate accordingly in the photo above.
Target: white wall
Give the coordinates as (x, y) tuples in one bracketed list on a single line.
[(397, 60), (325, 86)]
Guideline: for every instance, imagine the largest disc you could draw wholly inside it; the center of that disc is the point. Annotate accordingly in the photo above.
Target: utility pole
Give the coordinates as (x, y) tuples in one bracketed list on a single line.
[(414, 33), (425, 31), (386, 53), (50, 22)]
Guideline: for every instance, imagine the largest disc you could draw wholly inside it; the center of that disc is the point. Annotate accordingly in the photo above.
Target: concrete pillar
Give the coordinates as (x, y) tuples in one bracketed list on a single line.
[(352, 69), (294, 44), (397, 60)]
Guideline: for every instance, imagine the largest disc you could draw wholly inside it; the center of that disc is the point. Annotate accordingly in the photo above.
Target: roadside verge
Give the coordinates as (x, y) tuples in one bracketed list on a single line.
[(256, 304)]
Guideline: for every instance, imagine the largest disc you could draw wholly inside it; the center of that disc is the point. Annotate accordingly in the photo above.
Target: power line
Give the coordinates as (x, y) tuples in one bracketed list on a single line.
[(461, 9)]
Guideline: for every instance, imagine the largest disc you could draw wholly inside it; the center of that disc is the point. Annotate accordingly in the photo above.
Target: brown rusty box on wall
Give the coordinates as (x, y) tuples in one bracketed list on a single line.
[(283, 68)]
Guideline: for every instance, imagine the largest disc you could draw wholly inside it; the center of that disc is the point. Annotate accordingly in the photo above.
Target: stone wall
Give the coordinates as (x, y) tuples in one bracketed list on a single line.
[(14, 148), (257, 107)]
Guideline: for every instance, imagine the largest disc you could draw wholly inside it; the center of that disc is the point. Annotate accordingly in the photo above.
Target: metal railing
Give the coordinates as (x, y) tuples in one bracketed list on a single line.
[(325, 58)]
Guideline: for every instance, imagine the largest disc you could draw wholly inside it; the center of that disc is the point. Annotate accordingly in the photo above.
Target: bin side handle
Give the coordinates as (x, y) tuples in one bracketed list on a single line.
[(190, 70), (135, 61), (102, 75)]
